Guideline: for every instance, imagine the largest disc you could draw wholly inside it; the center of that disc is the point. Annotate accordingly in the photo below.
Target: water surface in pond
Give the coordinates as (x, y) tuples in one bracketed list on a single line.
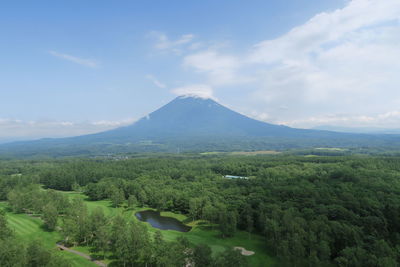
[(161, 222)]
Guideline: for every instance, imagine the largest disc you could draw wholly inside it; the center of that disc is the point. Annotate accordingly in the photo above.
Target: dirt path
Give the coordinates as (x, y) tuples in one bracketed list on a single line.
[(86, 256)]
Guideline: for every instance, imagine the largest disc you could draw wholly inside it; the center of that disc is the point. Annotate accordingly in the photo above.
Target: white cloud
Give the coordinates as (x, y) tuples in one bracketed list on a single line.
[(342, 62), (112, 124), (11, 129), (220, 69), (81, 61), (259, 116), (326, 29), (155, 81), (195, 90), (211, 61), (383, 120), (346, 61), (164, 43)]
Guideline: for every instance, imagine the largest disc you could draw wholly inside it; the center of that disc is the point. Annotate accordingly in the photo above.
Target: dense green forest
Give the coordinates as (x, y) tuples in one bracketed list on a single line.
[(312, 211)]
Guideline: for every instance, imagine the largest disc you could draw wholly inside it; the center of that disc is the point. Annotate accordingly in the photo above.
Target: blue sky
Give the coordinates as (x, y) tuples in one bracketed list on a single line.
[(74, 67)]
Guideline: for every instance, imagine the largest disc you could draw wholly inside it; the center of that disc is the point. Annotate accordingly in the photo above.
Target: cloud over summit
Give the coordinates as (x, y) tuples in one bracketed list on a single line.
[(195, 90)]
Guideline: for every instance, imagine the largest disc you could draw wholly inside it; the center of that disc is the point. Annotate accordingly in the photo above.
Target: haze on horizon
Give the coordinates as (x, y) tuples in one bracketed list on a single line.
[(81, 67)]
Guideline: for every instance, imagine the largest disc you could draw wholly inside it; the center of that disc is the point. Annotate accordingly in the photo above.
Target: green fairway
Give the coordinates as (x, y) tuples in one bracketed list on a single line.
[(28, 228), (201, 232), (204, 235)]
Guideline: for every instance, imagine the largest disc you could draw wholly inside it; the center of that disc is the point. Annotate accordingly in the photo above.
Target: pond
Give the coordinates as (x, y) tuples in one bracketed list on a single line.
[(161, 222)]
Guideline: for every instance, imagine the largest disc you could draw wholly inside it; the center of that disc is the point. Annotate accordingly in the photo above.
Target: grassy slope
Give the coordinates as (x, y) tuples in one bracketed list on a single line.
[(29, 228), (201, 233)]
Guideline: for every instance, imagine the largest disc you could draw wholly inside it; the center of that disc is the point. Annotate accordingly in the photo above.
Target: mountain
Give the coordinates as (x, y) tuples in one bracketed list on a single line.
[(195, 118), (188, 116), (195, 124)]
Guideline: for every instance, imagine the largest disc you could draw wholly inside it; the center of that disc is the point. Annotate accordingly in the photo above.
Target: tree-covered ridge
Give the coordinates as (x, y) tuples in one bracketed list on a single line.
[(313, 211)]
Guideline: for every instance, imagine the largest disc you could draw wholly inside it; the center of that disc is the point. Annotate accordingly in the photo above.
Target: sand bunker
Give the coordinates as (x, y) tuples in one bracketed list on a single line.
[(244, 251)]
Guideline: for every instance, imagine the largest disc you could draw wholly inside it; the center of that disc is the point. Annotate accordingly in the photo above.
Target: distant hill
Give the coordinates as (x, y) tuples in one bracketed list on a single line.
[(190, 123), (365, 130)]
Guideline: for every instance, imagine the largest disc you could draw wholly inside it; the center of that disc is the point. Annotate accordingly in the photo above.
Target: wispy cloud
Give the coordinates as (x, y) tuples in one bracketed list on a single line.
[(155, 81), (163, 43), (81, 61)]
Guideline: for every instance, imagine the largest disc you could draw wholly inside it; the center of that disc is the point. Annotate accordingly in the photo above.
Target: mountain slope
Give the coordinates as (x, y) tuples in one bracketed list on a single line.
[(196, 124)]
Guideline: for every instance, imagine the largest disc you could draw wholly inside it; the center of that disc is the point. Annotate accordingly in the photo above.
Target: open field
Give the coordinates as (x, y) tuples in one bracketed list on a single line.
[(244, 153), (252, 153)]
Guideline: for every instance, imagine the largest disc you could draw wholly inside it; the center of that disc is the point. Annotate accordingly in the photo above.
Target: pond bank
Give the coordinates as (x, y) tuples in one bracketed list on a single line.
[(155, 219)]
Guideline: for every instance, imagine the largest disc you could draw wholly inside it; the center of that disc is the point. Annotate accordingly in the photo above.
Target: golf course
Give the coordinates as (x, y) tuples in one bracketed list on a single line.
[(30, 227)]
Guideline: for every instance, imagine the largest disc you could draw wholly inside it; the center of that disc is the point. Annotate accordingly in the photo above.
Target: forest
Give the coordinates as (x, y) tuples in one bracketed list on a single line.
[(309, 210)]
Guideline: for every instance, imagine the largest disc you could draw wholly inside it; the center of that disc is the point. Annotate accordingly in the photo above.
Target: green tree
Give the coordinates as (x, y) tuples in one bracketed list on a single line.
[(195, 207), (202, 255), (97, 219), (142, 197), (76, 223), (159, 250), (101, 241), (133, 244), (117, 197), (16, 201), (12, 253), (117, 229), (50, 216), (36, 255), (5, 231), (227, 223), (210, 213), (132, 201), (230, 257)]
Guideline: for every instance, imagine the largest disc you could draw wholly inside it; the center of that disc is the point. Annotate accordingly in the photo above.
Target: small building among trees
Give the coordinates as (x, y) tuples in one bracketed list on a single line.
[(235, 177)]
